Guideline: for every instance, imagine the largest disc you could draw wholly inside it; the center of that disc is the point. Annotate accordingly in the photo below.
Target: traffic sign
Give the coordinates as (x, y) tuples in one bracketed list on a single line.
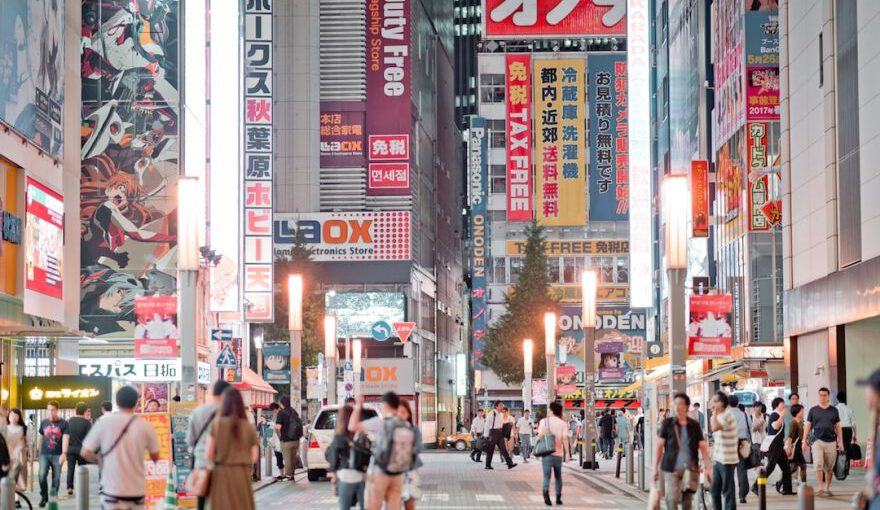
[(381, 331), (226, 357), (221, 335), (655, 350), (404, 329), (348, 366)]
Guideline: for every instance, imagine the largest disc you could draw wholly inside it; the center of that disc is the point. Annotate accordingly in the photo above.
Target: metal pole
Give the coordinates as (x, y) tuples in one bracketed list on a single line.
[(589, 426), (677, 330), (268, 454), (260, 362), (551, 379), (331, 381), (186, 322), (806, 498), (762, 489), (630, 468), (7, 495), (640, 459), (296, 370), (82, 488), (527, 405)]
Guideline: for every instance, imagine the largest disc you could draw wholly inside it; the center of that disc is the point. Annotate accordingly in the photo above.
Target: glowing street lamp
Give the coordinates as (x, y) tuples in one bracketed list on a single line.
[(295, 328), (550, 351), (528, 351), (675, 211), (330, 351)]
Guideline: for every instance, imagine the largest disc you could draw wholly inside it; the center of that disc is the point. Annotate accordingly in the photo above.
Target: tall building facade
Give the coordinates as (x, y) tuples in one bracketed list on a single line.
[(831, 239)]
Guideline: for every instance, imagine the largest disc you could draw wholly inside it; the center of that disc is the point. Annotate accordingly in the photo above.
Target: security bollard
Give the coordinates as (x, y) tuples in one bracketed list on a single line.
[(806, 498), (82, 488), (268, 458), (762, 489), (7, 495), (628, 454), (643, 483), (619, 458)]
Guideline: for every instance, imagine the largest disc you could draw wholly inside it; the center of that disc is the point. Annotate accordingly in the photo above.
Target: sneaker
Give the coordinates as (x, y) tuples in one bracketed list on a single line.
[(43, 502), (511, 466), (489, 467), (558, 500)]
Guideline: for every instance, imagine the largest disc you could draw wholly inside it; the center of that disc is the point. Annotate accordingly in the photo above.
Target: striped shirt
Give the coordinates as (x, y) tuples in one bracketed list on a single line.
[(726, 439)]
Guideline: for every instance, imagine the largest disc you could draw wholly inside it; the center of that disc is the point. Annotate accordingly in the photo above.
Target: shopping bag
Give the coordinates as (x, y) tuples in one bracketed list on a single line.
[(655, 496), (841, 466)]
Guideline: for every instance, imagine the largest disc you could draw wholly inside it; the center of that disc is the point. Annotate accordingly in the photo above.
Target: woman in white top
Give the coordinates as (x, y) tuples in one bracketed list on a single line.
[(759, 423), (846, 422), (15, 441), (554, 424)]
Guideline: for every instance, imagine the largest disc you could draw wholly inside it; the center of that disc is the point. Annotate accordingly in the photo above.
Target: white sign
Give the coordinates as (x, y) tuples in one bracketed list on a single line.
[(639, 83), (345, 236), (381, 375), (203, 376), (132, 370)]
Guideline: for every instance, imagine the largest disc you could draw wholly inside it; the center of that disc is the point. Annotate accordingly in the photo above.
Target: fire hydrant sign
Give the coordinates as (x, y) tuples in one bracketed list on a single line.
[(403, 330)]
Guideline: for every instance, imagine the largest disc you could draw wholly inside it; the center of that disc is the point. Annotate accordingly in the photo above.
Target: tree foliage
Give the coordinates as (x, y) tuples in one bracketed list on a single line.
[(526, 303)]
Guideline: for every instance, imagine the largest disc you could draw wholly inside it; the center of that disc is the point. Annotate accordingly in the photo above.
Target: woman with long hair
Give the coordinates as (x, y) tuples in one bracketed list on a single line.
[(348, 462), (411, 490), (16, 432), (232, 449)]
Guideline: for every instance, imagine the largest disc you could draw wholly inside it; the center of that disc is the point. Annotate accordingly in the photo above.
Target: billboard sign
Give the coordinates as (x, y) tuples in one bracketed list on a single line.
[(762, 65), (518, 19), (478, 169), (276, 363), (346, 236), (68, 390), (131, 369), (609, 138), (381, 375), (44, 248), (389, 74), (560, 142), (519, 137), (561, 247), (357, 312), (700, 198), (709, 331), (342, 132), (620, 339)]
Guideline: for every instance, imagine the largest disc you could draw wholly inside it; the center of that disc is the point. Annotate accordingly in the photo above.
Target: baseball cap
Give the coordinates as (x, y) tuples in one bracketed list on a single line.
[(872, 380)]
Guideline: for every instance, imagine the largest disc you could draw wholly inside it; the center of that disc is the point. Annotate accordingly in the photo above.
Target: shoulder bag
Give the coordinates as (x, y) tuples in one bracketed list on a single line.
[(198, 483), (546, 443), (690, 480)]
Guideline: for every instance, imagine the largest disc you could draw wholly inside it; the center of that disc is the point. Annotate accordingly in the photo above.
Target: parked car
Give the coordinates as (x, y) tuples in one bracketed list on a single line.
[(321, 435), (459, 442)]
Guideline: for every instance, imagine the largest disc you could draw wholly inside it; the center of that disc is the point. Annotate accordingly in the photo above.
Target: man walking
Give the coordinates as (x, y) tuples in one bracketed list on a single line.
[(775, 451), (495, 437), (622, 426), (477, 428), (53, 450), (524, 431), (606, 428), (823, 421), (199, 429), (724, 455), (744, 443), (680, 441), (78, 428), (120, 440), (699, 416), (290, 431)]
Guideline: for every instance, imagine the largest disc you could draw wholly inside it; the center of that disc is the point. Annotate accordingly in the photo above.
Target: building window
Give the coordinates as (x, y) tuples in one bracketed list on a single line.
[(497, 133), (570, 266), (516, 265), (553, 269), (492, 88), (497, 179), (499, 267)]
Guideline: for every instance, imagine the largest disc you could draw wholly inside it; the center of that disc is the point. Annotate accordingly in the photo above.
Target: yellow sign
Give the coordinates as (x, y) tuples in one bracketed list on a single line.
[(560, 171), (604, 293), (157, 472), (560, 247)]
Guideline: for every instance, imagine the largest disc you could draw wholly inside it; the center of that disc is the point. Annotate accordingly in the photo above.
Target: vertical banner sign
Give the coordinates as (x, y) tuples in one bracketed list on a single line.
[(709, 331), (44, 240), (700, 198), (478, 169), (519, 137), (762, 65), (389, 111), (157, 472), (180, 416), (638, 64), (609, 138), (560, 143), (342, 134), (257, 200), (759, 181)]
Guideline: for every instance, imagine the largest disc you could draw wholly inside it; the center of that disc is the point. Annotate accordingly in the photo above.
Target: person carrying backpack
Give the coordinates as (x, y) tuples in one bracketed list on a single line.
[(394, 452), (290, 431), (348, 458)]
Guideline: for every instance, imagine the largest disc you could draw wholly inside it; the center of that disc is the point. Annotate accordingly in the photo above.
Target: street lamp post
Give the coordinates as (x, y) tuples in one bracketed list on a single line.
[(528, 351), (187, 274), (675, 201), (356, 354), (295, 326), (258, 345), (330, 352), (588, 319), (550, 350)]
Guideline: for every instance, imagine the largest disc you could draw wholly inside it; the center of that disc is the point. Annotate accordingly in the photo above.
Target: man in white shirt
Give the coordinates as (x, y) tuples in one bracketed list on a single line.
[(847, 425), (477, 428), (744, 435), (524, 431), (495, 436), (120, 440)]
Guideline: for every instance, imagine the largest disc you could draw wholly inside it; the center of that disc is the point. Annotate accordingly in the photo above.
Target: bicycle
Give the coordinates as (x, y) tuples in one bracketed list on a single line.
[(22, 501)]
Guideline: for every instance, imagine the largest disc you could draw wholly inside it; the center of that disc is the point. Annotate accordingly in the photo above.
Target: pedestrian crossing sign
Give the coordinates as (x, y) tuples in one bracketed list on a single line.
[(226, 357)]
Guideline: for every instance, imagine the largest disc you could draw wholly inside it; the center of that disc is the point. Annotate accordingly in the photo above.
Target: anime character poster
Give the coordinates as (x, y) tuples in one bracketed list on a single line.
[(129, 159)]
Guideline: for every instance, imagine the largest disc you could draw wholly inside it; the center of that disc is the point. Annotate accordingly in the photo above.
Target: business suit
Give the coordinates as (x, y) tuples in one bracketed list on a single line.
[(495, 435)]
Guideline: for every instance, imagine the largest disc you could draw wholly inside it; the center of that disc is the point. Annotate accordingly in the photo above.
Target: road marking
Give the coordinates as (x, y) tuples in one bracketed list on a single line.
[(534, 498), (438, 496), (490, 497)]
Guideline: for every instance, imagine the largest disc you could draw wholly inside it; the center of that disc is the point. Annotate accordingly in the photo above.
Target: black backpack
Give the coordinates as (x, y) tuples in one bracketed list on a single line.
[(294, 429)]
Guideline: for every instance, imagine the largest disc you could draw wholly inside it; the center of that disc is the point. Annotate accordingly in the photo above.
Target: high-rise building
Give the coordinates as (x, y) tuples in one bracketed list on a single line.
[(467, 35)]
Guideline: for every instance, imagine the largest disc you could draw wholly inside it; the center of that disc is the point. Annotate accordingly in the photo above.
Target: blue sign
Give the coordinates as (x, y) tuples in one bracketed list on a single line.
[(221, 335), (608, 135), (276, 363), (381, 331), (478, 169), (226, 357)]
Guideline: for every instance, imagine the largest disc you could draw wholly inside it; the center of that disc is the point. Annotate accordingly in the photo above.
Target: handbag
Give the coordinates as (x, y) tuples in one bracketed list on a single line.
[(480, 443), (841, 466), (854, 452), (690, 479), (198, 483), (546, 444)]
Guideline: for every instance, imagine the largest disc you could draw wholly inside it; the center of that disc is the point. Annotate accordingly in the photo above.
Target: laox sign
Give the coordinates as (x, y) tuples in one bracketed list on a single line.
[(332, 231), (380, 374)]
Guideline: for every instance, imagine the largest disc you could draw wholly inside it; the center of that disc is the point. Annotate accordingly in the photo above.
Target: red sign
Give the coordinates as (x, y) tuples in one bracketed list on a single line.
[(389, 147), (762, 93), (403, 329), (44, 239), (773, 211), (519, 138), (700, 197), (342, 134), (389, 107), (389, 176), (709, 331), (518, 19), (163, 348)]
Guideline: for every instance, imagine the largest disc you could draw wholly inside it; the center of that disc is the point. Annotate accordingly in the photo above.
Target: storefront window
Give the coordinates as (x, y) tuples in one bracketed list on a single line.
[(570, 270), (516, 265), (553, 269), (492, 88), (606, 269)]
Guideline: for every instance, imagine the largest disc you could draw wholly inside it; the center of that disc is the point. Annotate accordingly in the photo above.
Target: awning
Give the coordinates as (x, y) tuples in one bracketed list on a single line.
[(722, 370), (250, 381), (618, 403)]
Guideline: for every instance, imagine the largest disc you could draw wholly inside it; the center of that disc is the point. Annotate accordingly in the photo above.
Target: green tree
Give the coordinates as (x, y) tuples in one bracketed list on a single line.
[(526, 303)]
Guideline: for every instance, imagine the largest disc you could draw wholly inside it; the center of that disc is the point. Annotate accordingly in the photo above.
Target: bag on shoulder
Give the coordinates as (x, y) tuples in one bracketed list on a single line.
[(395, 448), (546, 444), (359, 453)]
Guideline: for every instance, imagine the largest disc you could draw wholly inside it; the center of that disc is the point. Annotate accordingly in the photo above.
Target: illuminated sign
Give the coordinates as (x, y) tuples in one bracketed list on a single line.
[(67, 390), (558, 247), (640, 219), (700, 198), (342, 134), (608, 130), (346, 236), (519, 137), (478, 170), (604, 293), (131, 369), (389, 175), (381, 375), (518, 19), (356, 312)]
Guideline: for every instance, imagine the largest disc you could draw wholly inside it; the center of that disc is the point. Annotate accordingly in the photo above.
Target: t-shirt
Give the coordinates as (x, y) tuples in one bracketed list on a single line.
[(287, 418), (199, 421), (672, 457), (846, 415), (52, 432), (557, 427), (683, 459), (726, 441), (78, 428), (742, 425), (524, 426), (606, 423), (122, 468), (779, 440), (823, 422)]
